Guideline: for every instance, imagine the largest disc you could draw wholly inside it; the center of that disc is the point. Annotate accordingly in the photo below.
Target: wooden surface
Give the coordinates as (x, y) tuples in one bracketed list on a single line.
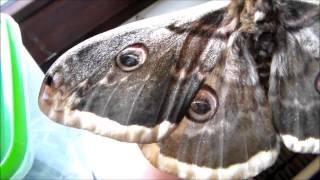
[(50, 27)]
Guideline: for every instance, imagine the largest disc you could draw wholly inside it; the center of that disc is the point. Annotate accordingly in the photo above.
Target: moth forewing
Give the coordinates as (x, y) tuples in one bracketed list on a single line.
[(125, 83)]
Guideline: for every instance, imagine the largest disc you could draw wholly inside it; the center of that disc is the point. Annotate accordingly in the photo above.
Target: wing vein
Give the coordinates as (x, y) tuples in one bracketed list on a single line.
[(136, 98)]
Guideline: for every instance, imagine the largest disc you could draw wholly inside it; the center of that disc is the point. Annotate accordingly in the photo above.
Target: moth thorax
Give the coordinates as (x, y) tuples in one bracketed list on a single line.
[(262, 49)]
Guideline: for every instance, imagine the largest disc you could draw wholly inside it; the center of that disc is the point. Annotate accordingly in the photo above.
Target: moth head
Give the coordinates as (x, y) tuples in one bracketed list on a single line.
[(121, 84)]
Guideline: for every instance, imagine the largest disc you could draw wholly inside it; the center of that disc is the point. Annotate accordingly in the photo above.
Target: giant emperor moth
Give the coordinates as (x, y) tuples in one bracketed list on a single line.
[(206, 93)]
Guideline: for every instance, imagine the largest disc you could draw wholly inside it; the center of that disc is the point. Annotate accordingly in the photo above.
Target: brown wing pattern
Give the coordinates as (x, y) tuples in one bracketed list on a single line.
[(135, 83), (294, 80), (238, 141)]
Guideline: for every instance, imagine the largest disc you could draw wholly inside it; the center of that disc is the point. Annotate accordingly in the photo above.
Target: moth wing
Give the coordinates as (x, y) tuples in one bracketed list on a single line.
[(295, 79), (132, 83), (239, 141)]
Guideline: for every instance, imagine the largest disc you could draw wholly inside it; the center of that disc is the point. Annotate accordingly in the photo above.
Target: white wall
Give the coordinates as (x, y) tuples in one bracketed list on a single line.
[(166, 6)]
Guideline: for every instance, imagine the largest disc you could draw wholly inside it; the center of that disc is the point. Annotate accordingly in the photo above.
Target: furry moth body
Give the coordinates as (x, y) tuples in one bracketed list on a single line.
[(207, 93)]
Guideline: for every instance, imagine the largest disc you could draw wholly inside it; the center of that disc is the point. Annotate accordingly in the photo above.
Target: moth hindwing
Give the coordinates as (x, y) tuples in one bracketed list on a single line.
[(207, 93)]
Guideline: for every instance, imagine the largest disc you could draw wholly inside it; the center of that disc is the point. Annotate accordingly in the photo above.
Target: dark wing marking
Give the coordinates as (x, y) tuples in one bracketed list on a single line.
[(295, 69), (129, 106), (89, 88), (239, 141)]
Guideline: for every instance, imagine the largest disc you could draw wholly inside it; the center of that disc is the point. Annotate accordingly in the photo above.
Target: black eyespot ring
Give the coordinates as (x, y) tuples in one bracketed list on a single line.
[(132, 57), (200, 106), (129, 60), (204, 106)]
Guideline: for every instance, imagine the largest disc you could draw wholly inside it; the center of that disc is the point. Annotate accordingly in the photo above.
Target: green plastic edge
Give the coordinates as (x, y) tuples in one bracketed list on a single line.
[(5, 101), (5, 114), (18, 148)]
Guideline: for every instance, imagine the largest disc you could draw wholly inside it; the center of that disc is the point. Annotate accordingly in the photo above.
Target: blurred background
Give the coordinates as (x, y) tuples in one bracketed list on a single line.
[(50, 27)]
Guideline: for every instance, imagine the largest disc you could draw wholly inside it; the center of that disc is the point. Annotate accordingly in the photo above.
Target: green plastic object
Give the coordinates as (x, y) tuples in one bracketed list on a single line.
[(14, 139)]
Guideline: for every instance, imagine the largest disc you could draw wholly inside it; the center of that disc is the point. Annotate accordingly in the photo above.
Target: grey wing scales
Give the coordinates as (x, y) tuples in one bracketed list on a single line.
[(239, 141), (294, 81)]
